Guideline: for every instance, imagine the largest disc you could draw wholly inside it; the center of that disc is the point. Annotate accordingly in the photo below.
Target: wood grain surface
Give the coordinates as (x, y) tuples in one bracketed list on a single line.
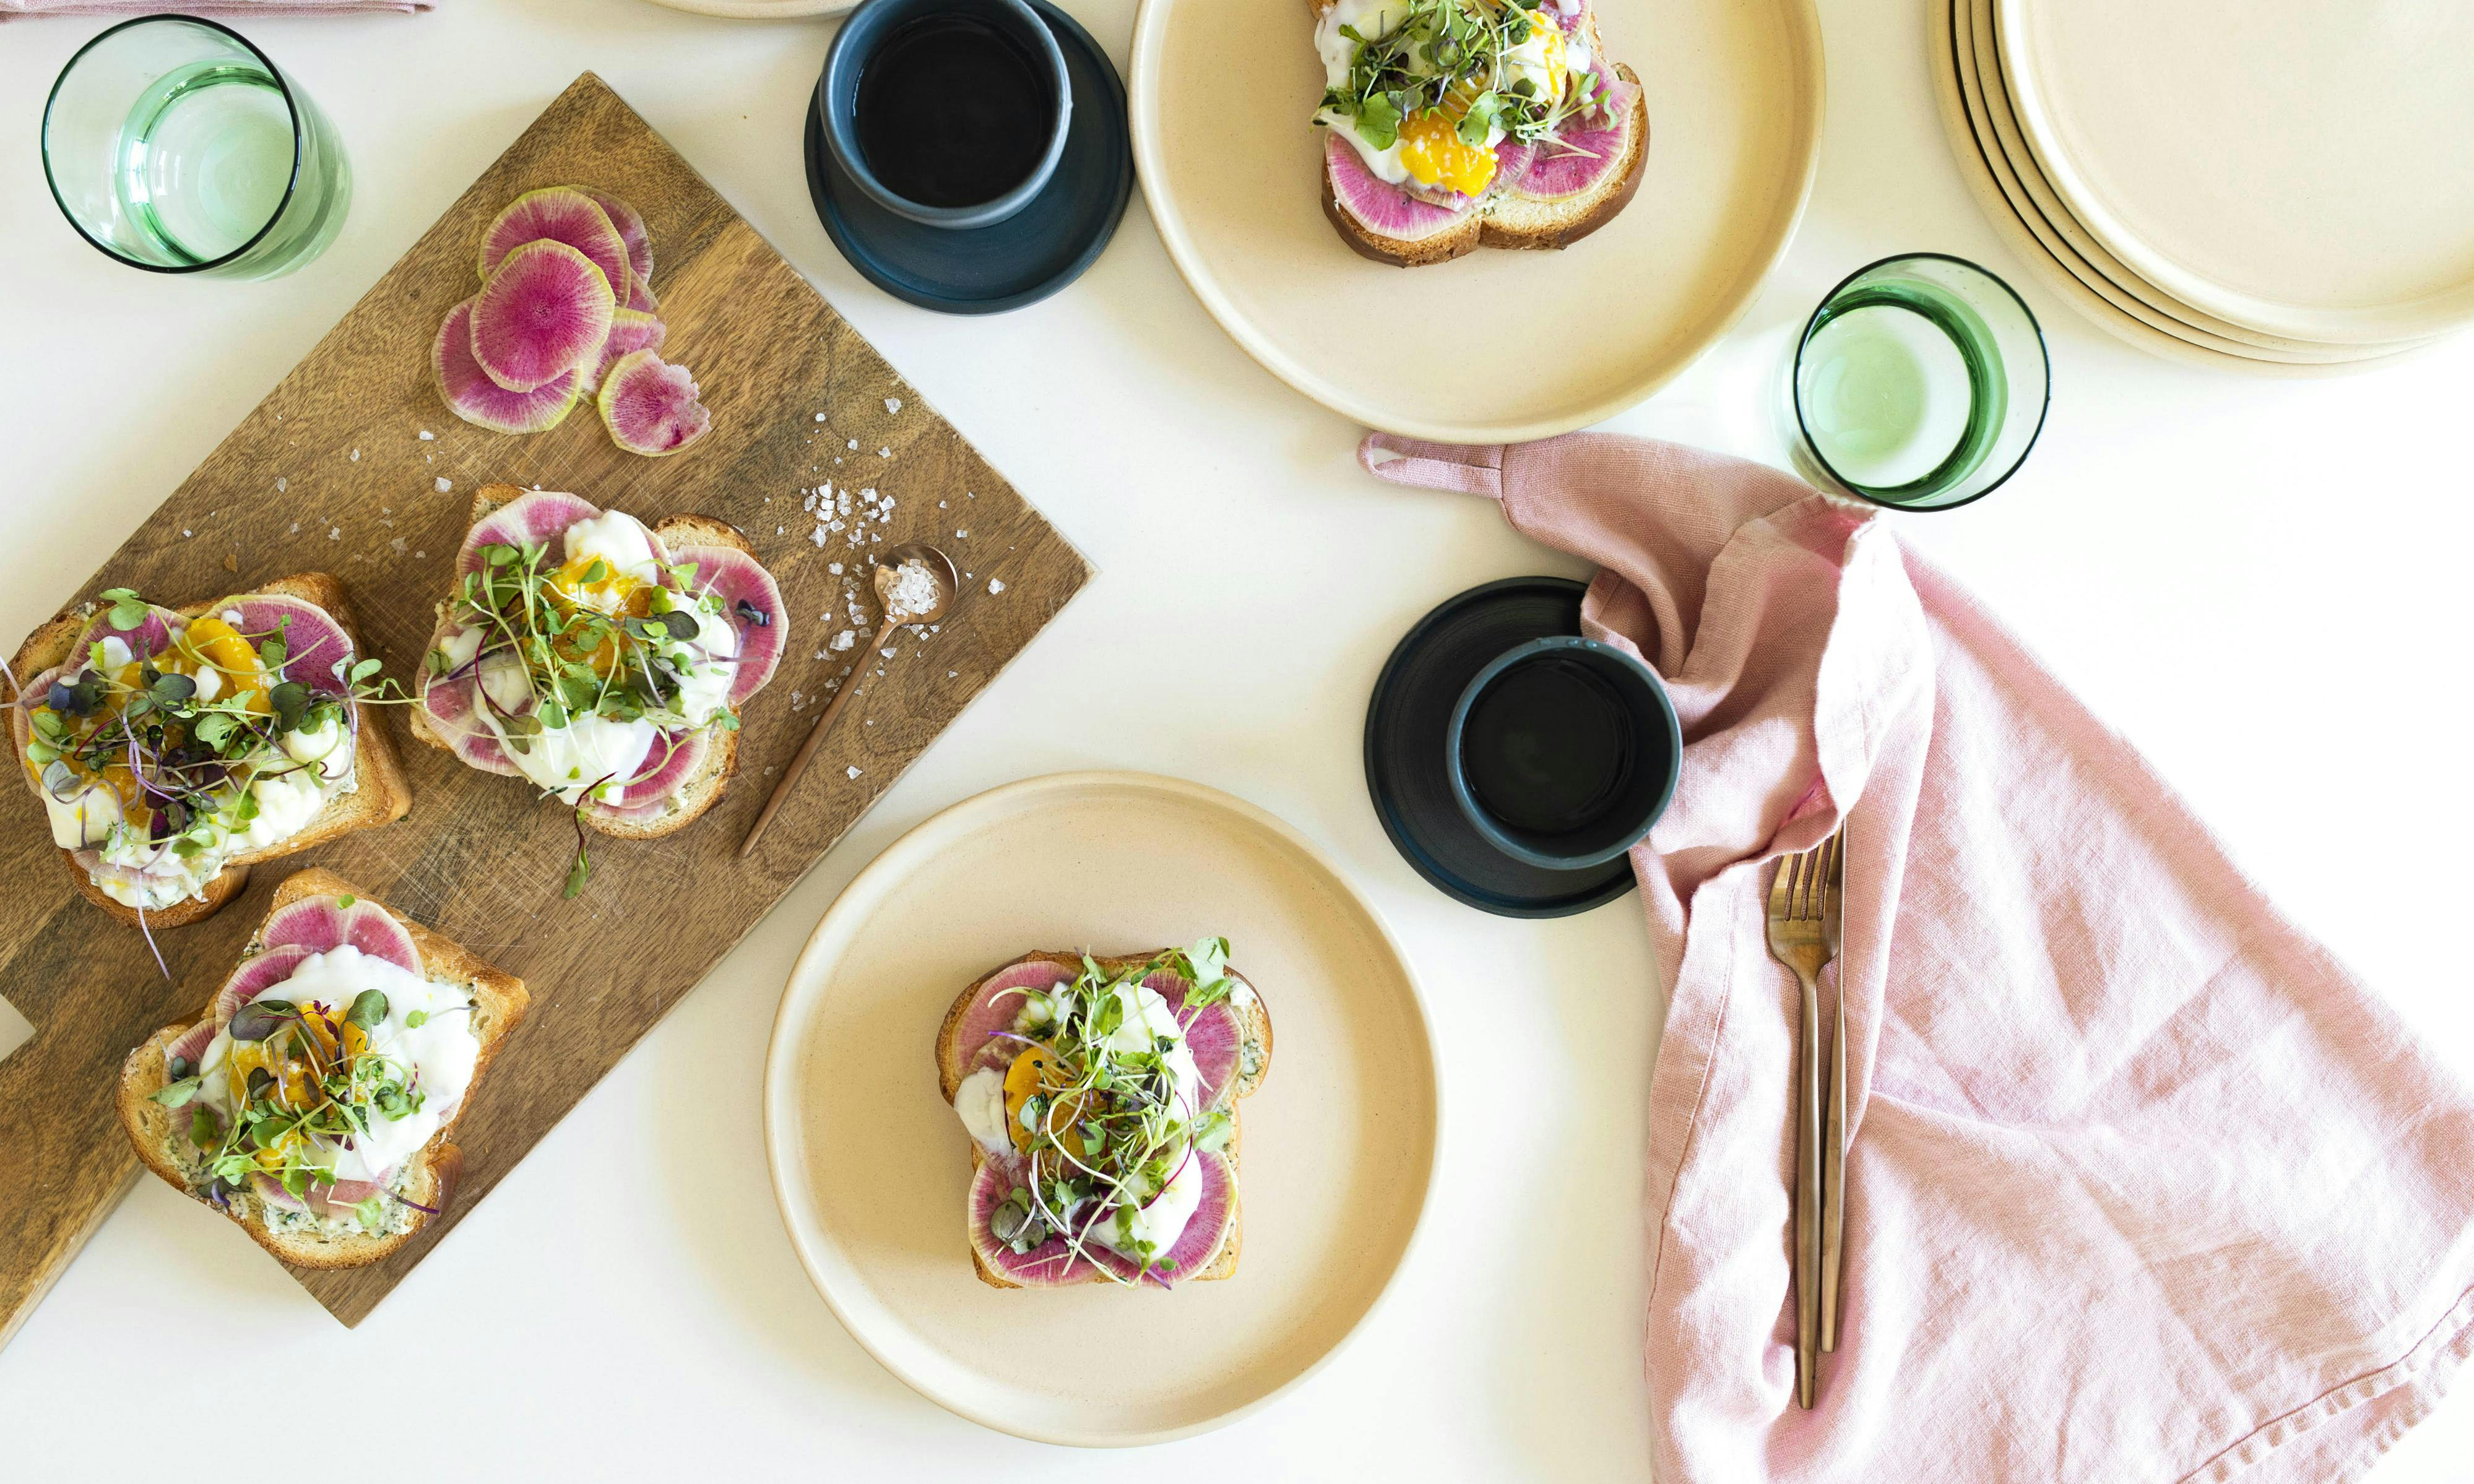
[(332, 472)]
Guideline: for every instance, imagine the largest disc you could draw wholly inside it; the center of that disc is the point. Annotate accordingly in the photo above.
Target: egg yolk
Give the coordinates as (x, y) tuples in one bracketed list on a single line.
[(590, 584), (1434, 154), (1039, 1069)]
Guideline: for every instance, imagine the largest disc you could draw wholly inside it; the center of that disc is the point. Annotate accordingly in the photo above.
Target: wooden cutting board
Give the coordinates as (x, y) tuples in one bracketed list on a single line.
[(353, 466)]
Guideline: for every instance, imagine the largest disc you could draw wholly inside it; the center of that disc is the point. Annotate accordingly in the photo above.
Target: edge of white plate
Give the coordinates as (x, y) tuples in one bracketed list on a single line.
[(1142, 106), (760, 9), (894, 861)]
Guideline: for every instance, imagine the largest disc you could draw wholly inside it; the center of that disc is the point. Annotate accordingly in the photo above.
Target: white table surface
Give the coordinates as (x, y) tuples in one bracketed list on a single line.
[(2259, 581)]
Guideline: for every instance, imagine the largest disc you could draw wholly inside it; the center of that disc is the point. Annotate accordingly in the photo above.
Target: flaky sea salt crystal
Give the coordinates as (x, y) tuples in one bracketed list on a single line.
[(444, 484), (996, 585)]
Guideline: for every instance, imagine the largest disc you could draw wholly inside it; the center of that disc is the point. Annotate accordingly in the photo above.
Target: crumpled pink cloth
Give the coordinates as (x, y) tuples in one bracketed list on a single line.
[(2142, 1186), (11, 10)]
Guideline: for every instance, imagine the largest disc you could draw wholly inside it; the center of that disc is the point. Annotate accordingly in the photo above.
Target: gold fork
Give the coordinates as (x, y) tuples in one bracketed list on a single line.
[(1834, 1106), (1798, 897)]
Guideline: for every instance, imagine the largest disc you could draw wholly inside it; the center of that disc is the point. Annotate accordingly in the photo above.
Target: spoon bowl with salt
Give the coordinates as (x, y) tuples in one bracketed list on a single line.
[(914, 585)]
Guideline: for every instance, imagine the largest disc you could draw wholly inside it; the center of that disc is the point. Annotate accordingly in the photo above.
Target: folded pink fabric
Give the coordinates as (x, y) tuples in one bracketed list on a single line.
[(11, 10), (2143, 1186)]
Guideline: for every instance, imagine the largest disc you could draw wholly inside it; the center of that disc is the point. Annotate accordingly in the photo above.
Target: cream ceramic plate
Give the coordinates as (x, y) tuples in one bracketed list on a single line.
[(870, 1165), (1497, 346), (760, 9), (2296, 166), (2106, 306)]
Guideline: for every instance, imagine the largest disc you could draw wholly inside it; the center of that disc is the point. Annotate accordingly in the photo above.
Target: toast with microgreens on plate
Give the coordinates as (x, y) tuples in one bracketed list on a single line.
[(1101, 1098), (603, 661), (314, 1099), (1451, 125), (174, 747)]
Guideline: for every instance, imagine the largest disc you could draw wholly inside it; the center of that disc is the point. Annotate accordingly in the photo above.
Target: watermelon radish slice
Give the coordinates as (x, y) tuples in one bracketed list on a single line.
[(561, 214), (254, 977), (152, 636), (651, 406), (1205, 1232), (1212, 1034), (470, 394), (1384, 208), (544, 313), (1580, 160), (639, 298), (675, 758), (1050, 1264), (191, 1047), (316, 652), (536, 518), (738, 578), (631, 231), (322, 924), (630, 331), (449, 704), (998, 1006)]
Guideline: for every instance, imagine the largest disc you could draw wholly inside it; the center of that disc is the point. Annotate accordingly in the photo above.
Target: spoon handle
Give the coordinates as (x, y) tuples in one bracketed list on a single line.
[(808, 748)]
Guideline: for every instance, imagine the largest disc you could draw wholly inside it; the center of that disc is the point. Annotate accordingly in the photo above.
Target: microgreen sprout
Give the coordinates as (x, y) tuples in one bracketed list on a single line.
[(1453, 56)]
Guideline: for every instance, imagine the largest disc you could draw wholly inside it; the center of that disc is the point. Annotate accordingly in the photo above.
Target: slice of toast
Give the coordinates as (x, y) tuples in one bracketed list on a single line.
[(703, 789), (1254, 1062), (160, 1134), (1502, 219), (381, 794)]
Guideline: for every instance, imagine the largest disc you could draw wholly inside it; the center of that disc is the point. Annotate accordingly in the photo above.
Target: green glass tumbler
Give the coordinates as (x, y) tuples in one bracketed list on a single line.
[(1920, 383), (173, 145)]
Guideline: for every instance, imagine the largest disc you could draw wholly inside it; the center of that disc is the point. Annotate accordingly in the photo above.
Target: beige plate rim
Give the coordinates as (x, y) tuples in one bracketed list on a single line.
[(1975, 168), (1144, 110), (884, 873), (2370, 326), (760, 9)]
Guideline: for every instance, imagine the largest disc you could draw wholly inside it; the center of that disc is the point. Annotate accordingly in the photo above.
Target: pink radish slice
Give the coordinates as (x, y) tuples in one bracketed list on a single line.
[(21, 714), (639, 298), (631, 231), (997, 1005), (651, 406), (314, 644), (1212, 1034), (545, 312), (1511, 161), (324, 923), (1205, 1232), (254, 977), (1579, 160), (470, 394), (1050, 1264), (566, 216), (630, 331), (1385, 210), (271, 1190), (736, 577), (675, 758), (536, 518), (101, 871), (151, 637), (192, 1045), (449, 704)]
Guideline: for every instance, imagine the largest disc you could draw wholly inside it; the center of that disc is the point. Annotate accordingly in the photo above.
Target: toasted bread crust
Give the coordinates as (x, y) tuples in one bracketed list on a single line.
[(951, 1062), (703, 789), (502, 1000), (381, 795)]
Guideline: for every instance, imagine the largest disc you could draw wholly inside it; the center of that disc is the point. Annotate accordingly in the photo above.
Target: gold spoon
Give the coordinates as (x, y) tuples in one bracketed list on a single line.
[(940, 568)]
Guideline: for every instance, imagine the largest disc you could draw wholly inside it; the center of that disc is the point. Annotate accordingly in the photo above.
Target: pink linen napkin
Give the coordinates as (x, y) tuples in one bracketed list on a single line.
[(2144, 1186), (11, 10)]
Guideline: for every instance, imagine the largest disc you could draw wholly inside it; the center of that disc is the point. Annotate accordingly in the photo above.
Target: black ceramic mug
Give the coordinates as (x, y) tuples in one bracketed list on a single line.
[(949, 112), (1563, 751)]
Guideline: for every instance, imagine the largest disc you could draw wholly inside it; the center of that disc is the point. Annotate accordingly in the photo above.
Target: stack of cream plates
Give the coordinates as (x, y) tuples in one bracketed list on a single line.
[(2277, 185)]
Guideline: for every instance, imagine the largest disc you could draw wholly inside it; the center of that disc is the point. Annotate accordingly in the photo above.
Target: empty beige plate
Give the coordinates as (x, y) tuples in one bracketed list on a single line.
[(1497, 346), (870, 1165), (2296, 166)]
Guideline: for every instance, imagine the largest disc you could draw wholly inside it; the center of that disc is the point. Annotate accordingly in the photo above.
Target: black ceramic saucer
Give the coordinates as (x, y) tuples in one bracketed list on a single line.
[(1029, 256), (1405, 724)]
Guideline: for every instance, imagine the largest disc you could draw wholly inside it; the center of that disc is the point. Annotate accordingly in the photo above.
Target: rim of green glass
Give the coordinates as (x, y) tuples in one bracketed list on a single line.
[(1795, 379), (291, 107)]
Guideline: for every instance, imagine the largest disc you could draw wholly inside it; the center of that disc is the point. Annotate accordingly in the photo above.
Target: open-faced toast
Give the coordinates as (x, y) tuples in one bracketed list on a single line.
[(307, 1230), (378, 793), (454, 713), (968, 1043), (1427, 194)]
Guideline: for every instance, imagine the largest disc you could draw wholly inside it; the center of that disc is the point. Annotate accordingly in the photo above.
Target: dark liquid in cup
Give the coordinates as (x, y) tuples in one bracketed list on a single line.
[(952, 112), (1548, 747)]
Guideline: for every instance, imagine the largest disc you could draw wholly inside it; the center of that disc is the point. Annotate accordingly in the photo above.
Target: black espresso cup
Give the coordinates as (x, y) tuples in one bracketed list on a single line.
[(949, 112), (1563, 751)]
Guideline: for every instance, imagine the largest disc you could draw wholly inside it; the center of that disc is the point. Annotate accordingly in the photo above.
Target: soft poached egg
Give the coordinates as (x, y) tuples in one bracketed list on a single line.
[(1429, 151)]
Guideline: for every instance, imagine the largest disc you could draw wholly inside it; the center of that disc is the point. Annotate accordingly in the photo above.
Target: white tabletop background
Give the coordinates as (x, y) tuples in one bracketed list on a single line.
[(2259, 581)]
